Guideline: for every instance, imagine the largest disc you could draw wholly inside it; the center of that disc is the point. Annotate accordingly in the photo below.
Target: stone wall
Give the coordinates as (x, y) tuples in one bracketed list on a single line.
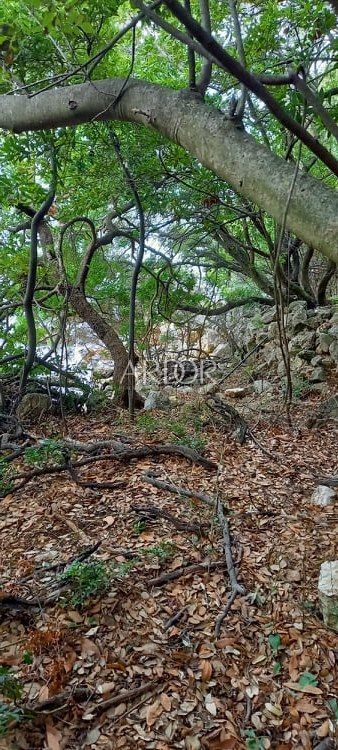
[(312, 337)]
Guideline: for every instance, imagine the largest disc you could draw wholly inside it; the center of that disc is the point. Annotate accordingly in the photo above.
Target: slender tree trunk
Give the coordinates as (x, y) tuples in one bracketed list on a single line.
[(110, 339), (324, 282)]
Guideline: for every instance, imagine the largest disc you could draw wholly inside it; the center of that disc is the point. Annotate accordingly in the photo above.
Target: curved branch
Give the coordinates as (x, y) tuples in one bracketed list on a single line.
[(250, 168), (209, 312), (324, 281), (31, 281), (235, 68), (205, 76)]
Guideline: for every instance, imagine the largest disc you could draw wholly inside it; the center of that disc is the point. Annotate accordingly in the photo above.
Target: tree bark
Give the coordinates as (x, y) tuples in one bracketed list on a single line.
[(110, 339), (248, 166)]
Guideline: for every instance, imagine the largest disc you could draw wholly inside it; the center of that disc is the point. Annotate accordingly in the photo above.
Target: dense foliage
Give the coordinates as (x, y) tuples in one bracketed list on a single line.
[(204, 244)]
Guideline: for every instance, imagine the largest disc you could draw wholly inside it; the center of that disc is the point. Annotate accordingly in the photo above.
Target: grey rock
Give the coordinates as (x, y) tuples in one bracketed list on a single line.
[(157, 400), (334, 351), (272, 331), (33, 406), (297, 320), (328, 593), (298, 304), (333, 331), (269, 316), (262, 386), (317, 360), (323, 495), (222, 351), (304, 340), (329, 408), (325, 340), (318, 375)]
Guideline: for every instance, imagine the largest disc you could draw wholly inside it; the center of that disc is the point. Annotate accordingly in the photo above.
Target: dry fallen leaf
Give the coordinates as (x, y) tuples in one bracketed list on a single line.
[(53, 736), (310, 689), (165, 701), (153, 712)]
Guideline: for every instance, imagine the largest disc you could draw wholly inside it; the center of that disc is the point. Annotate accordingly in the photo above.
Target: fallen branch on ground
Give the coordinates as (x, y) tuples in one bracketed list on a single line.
[(151, 512), (186, 570), (81, 694), (233, 419), (121, 454), (236, 588)]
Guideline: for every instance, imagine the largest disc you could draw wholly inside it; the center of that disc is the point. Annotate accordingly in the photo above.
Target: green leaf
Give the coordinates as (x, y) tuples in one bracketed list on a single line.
[(275, 642), (307, 678), (27, 657), (277, 668)]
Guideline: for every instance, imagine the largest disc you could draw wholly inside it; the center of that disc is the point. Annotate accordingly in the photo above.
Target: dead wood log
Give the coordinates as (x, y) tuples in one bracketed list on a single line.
[(185, 571), (152, 512), (122, 454), (236, 588), (234, 420)]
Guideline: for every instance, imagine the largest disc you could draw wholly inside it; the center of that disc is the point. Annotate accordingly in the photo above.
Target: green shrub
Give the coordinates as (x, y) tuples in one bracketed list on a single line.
[(48, 452), (86, 580), (10, 686), (6, 478), (9, 714), (163, 550)]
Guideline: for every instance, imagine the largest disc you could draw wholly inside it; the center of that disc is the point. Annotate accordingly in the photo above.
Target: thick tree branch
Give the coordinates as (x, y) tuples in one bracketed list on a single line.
[(249, 167), (235, 68), (212, 312)]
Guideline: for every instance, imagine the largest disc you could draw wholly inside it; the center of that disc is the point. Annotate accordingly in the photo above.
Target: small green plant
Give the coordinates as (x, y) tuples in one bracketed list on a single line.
[(163, 550), (139, 526), (277, 668), (178, 429), (10, 686), (8, 715), (147, 422), (333, 706), (27, 657), (48, 452), (253, 741), (194, 442), (122, 569), (300, 387), (6, 478), (86, 580)]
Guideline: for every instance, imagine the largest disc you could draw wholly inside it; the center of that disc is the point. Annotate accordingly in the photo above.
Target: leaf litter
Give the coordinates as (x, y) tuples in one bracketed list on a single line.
[(138, 665)]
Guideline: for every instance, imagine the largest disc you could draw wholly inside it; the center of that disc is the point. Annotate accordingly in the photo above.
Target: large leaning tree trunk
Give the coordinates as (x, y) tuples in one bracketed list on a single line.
[(235, 156), (112, 342)]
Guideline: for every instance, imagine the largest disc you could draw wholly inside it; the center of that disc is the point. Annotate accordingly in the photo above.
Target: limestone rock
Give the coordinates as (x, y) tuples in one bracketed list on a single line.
[(324, 341), (262, 386), (223, 351), (323, 495), (269, 316), (318, 375), (157, 400), (296, 318), (334, 351), (304, 340), (328, 593), (33, 406)]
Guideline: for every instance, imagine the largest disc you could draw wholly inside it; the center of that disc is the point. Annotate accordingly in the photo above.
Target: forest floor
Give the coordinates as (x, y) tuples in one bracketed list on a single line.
[(153, 674)]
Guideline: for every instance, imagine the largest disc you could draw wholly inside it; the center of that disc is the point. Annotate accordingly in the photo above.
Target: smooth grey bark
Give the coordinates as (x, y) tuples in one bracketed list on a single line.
[(248, 166)]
